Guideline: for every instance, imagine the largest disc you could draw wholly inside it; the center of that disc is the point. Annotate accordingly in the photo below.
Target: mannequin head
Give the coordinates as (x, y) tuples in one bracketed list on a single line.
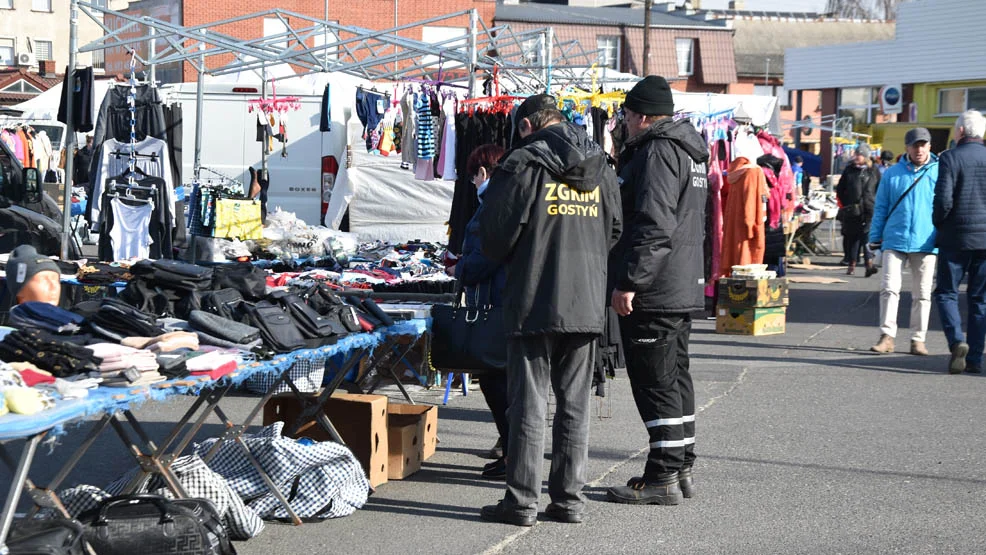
[(32, 277)]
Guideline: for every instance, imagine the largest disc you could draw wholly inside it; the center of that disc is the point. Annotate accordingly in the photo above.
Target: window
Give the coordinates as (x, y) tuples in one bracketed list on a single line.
[(609, 52), (43, 50), (783, 95), (6, 4), (99, 59), (685, 50), (6, 52), (273, 27), (328, 37), (41, 5), (21, 86), (533, 51), (445, 36), (955, 101), (860, 104)]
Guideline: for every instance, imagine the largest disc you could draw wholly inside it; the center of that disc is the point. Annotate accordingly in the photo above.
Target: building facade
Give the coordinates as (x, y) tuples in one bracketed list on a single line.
[(693, 54), (35, 30), (933, 69)]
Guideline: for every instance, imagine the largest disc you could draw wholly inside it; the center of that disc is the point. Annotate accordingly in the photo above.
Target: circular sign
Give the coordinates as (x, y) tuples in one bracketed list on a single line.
[(808, 123), (891, 95)]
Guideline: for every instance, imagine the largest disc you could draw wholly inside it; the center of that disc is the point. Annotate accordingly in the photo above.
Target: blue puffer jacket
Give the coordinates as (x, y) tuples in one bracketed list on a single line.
[(482, 278), (909, 228), (960, 197)]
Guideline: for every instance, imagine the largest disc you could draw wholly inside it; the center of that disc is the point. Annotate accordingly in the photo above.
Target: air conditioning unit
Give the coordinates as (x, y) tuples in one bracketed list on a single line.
[(26, 59)]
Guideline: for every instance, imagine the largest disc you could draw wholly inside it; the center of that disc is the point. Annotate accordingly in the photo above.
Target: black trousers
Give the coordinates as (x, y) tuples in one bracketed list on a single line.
[(656, 347), (494, 388)]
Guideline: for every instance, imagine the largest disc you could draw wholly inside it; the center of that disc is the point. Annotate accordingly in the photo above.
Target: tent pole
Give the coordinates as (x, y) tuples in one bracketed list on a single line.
[(263, 146), (199, 108), (69, 151), (549, 46), (473, 21)]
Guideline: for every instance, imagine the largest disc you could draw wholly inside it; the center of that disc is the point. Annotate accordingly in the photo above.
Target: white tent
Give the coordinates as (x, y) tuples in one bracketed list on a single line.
[(45, 105)]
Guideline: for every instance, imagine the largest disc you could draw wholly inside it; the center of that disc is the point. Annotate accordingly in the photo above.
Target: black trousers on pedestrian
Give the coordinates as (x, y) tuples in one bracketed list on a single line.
[(656, 347), (494, 388)]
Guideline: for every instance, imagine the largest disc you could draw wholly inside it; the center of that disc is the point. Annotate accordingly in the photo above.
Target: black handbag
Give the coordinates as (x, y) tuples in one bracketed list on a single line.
[(470, 339), (154, 525), (223, 302), (246, 278), (57, 536)]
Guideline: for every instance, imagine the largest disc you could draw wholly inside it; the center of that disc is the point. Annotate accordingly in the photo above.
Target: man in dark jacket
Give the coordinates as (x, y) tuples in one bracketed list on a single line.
[(658, 274), (551, 213), (855, 191), (960, 217)]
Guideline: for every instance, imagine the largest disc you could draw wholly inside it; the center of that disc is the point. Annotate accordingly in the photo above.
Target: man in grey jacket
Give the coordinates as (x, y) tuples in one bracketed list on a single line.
[(657, 272)]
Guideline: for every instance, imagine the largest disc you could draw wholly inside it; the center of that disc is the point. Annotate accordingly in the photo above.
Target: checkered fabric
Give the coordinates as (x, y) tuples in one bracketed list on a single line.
[(306, 374), (241, 521), (320, 480)]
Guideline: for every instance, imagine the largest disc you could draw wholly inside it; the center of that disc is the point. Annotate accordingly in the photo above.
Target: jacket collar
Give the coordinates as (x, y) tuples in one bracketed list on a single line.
[(965, 140), (906, 160)]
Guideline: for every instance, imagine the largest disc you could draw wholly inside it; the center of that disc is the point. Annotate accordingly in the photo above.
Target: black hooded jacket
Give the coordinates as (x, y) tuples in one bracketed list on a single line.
[(552, 212), (664, 185)]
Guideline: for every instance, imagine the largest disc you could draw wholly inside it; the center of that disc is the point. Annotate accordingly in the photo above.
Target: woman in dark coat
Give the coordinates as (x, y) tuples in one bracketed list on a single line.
[(483, 281), (856, 191)]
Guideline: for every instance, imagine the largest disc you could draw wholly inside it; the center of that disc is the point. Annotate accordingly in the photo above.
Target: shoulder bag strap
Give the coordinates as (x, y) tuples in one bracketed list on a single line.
[(909, 189)]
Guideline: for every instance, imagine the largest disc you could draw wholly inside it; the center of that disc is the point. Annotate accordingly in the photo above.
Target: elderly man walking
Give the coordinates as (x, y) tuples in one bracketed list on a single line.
[(903, 228), (960, 216)]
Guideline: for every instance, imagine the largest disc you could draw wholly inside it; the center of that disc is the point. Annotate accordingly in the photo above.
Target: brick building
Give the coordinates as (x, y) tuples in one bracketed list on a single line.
[(693, 54), (368, 14)]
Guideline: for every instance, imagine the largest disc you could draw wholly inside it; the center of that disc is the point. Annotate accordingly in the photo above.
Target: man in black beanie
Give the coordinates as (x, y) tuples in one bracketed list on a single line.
[(552, 213), (656, 275)]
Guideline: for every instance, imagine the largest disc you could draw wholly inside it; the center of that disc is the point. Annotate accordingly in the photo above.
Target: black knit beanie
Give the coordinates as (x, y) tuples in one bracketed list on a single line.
[(651, 96)]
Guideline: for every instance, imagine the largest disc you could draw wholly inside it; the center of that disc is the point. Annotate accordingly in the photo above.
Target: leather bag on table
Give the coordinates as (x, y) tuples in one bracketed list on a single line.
[(472, 339), (154, 525), (277, 329), (58, 536)]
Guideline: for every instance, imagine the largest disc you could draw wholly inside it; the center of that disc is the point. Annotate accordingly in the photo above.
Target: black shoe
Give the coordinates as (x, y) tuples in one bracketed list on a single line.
[(970, 369), (686, 482), (497, 470), (492, 464), (557, 514), (957, 364), (664, 490), (497, 513), (497, 451)]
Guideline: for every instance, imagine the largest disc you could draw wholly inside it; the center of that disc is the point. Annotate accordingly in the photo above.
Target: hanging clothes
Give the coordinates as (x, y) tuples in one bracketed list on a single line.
[(370, 108), (743, 216), (113, 120), (82, 80), (409, 137), (152, 159), (449, 142), (130, 235)]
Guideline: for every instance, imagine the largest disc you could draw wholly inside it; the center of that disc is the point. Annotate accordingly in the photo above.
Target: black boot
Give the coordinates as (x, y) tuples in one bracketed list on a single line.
[(662, 490), (686, 482)]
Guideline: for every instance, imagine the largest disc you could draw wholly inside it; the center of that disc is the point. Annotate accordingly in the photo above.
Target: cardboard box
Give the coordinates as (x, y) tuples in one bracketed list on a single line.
[(752, 293), (406, 454), (751, 321), (361, 420), (429, 415)]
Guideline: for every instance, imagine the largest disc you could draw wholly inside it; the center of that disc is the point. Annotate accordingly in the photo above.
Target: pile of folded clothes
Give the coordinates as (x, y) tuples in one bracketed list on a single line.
[(213, 364), (124, 366), (164, 343), (102, 273), (49, 352), (34, 314)]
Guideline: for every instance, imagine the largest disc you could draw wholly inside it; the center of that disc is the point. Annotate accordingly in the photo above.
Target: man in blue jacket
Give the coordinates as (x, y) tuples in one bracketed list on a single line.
[(903, 228), (960, 216)]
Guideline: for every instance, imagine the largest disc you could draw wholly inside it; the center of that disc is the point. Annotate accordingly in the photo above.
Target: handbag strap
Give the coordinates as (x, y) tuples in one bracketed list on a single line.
[(909, 189)]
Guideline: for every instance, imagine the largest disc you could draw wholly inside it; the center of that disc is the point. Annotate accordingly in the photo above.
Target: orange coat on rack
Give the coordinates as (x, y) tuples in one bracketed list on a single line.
[(743, 216)]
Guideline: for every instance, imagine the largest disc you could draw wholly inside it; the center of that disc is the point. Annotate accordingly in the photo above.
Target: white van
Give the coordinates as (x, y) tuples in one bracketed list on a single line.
[(230, 145)]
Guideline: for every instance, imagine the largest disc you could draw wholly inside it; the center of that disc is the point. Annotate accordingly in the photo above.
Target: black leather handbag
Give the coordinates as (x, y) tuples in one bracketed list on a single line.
[(154, 525), (468, 339), (57, 536), (277, 329)]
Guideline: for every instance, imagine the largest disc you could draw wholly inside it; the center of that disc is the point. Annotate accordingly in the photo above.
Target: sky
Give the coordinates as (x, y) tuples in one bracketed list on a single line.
[(771, 5)]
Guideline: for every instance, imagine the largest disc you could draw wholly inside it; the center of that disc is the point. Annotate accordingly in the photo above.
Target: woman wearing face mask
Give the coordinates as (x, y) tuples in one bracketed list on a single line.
[(483, 281)]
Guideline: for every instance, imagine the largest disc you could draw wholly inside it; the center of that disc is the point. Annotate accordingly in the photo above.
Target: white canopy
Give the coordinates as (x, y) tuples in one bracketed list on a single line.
[(45, 105)]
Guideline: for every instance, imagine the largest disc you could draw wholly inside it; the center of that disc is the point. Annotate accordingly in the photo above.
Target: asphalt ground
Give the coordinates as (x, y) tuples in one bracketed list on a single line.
[(807, 443)]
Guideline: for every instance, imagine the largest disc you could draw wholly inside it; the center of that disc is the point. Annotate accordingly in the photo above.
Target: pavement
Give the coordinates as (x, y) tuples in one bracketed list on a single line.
[(807, 443)]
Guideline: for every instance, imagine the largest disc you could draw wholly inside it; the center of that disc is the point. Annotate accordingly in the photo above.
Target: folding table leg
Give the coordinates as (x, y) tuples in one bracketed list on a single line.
[(149, 463), (17, 487)]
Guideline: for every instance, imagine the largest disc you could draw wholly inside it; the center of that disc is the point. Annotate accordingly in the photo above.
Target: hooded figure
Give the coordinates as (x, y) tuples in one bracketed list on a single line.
[(551, 213), (743, 216)]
